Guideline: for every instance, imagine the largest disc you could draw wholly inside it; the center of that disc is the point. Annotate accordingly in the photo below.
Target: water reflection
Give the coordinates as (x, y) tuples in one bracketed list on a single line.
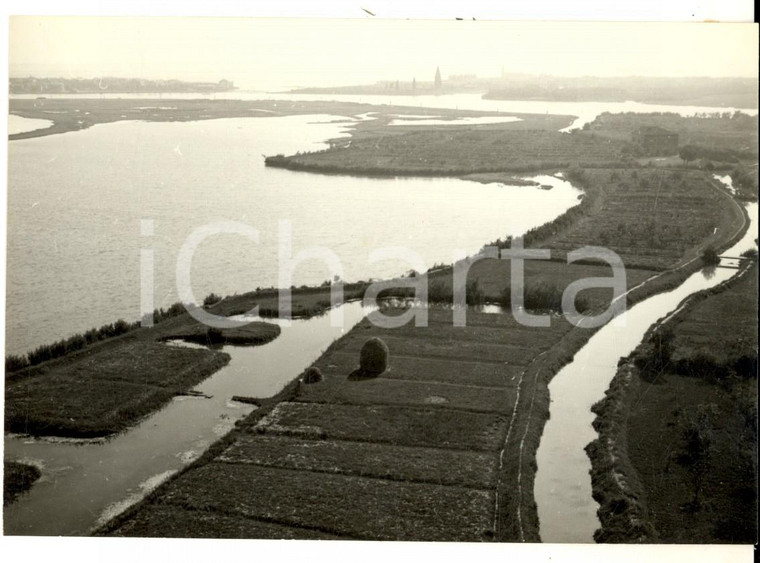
[(566, 508), (84, 483), (167, 171)]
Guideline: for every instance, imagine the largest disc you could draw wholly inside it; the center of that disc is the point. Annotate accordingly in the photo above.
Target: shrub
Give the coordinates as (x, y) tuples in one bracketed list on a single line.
[(542, 296), (373, 359), (15, 363), (214, 336), (312, 375), (575, 173), (710, 256), (702, 366), (654, 363), (120, 327), (211, 299), (475, 295), (439, 293)]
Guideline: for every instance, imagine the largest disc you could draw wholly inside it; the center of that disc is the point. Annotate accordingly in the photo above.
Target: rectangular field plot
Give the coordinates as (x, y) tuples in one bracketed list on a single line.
[(339, 364), (406, 426), (361, 459), (356, 507), (161, 521), (387, 391)]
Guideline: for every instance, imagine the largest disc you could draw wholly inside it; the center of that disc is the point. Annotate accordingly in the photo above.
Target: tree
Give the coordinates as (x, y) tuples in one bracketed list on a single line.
[(653, 365), (696, 447), (710, 257), (687, 153), (437, 78)]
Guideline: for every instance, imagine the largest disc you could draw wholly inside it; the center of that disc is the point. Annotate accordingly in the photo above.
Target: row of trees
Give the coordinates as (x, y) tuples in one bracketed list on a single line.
[(45, 352)]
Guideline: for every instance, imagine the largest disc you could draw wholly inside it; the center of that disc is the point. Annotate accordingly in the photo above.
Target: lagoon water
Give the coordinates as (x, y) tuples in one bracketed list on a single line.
[(76, 202), (18, 124)]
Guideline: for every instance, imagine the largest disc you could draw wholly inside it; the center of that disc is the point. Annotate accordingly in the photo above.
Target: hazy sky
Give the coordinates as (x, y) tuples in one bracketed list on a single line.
[(283, 53)]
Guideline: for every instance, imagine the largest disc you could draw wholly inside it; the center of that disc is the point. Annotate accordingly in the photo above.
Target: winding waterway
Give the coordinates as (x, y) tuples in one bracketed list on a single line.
[(584, 112), (566, 509), (85, 483), (76, 202)]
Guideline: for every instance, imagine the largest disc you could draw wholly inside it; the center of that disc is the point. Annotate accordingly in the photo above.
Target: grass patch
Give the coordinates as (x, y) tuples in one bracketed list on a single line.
[(176, 522), (250, 334), (427, 427), (17, 479), (651, 218), (379, 509), (650, 482), (728, 508), (722, 325), (362, 459), (455, 153), (106, 391)]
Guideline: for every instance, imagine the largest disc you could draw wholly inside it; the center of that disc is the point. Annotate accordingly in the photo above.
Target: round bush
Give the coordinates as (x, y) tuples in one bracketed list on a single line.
[(312, 375), (374, 357)]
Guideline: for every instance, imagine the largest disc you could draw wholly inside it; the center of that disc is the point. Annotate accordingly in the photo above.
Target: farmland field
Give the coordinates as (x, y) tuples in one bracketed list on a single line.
[(708, 386), (438, 431), (107, 386)]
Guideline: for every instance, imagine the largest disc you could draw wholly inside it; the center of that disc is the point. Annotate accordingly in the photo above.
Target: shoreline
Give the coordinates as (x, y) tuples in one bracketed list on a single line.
[(616, 484), (624, 508), (534, 382), (76, 114)]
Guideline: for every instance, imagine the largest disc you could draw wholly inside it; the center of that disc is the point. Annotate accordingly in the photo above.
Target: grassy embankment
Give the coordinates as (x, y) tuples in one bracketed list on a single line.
[(108, 385), (110, 381), (461, 152), (17, 479), (703, 359), (463, 407), (705, 380)]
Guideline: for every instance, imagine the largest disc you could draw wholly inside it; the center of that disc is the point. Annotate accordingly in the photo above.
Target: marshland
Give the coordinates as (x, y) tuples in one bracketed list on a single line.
[(126, 415)]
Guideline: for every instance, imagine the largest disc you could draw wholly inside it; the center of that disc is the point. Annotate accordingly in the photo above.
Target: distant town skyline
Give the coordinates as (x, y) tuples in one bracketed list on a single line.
[(278, 54)]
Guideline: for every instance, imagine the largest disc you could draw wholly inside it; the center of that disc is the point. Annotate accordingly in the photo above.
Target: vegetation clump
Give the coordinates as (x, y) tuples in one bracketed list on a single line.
[(710, 257), (79, 341), (214, 336), (373, 359), (542, 296), (312, 375), (211, 299), (657, 358), (696, 448), (17, 479), (441, 293)]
